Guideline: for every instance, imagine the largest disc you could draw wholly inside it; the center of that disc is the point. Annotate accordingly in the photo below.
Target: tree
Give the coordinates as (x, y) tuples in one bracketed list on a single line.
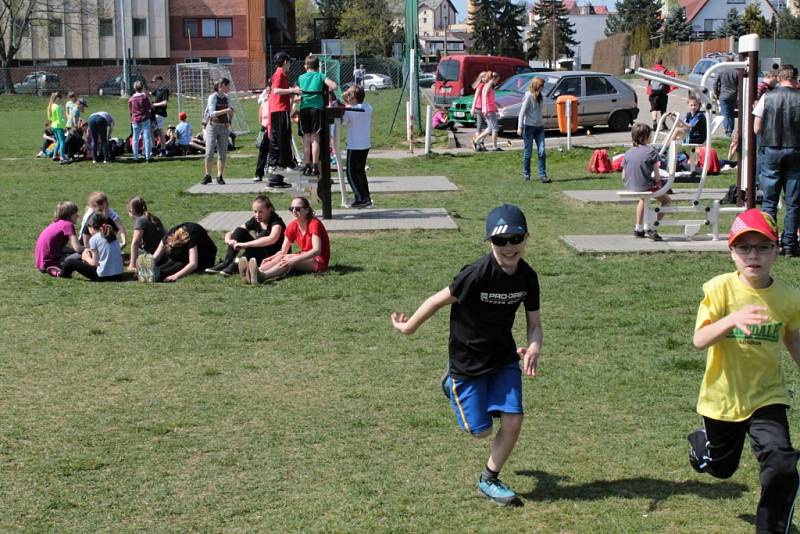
[(305, 11), (633, 13), (541, 37), (497, 28), (19, 19), (755, 22), (788, 25), (732, 26), (331, 12), (676, 28), (371, 25)]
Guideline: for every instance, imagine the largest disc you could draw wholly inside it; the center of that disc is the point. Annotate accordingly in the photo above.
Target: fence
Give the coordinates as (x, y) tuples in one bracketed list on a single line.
[(245, 75)]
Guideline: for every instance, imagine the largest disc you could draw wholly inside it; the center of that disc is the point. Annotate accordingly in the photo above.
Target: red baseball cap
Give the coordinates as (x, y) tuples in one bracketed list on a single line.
[(182, 116), (753, 220)]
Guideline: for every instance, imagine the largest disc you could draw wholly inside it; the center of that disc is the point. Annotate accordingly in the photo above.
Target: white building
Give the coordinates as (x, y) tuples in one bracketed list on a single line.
[(438, 34), (590, 24), (706, 16)]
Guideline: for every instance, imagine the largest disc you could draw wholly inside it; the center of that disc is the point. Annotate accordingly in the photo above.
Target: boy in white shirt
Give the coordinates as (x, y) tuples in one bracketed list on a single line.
[(359, 124)]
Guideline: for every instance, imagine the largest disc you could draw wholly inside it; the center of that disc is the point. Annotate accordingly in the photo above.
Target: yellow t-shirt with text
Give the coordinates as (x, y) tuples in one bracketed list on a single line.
[(743, 373)]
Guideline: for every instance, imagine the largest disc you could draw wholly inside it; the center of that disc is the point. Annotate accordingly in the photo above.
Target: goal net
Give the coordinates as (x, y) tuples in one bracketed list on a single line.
[(195, 82)]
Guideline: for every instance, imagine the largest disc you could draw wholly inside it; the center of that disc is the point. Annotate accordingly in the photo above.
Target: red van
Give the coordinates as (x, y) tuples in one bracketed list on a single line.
[(455, 74)]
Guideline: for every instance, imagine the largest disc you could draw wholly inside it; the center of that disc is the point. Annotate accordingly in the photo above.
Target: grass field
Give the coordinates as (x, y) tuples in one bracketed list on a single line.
[(207, 405)]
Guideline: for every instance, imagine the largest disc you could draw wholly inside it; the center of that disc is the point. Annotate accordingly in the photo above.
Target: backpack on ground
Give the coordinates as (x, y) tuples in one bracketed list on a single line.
[(600, 163), (713, 160)]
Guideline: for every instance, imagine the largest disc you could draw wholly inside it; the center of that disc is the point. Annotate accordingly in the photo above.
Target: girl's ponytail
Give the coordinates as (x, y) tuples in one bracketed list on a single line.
[(104, 226)]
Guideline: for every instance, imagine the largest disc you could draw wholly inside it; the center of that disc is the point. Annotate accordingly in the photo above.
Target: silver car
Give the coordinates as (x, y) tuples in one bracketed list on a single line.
[(603, 99)]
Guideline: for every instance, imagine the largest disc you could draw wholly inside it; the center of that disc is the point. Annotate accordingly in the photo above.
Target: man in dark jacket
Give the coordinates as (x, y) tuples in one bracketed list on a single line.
[(726, 90)]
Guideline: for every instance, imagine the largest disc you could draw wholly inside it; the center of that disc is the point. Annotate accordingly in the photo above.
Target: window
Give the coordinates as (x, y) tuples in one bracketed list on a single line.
[(191, 60), (448, 70), (190, 28), (139, 27), (225, 60), (225, 27), (55, 28), (209, 27), (711, 25), (569, 86), (597, 85), (106, 27)]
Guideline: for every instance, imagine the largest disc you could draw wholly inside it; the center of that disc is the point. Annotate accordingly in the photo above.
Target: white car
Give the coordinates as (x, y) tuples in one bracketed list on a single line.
[(373, 82)]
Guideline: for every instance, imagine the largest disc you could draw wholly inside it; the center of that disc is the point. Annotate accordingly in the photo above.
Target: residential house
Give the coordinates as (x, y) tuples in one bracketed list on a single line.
[(706, 16), (439, 34)]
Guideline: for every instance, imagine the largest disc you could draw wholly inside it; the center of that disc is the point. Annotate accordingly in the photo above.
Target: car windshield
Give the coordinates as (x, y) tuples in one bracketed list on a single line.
[(520, 83), (448, 71)]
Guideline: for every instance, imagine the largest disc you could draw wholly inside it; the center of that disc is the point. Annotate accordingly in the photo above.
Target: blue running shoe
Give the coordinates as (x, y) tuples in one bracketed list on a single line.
[(698, 450), (496, 491)]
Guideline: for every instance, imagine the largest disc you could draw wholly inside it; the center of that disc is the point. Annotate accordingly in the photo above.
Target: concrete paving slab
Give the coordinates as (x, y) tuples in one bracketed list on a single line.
[(350, 220), (610, 195), (377, 184), (621, 243)]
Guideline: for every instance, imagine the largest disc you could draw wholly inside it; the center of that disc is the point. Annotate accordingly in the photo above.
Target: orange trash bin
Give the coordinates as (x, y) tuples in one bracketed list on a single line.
[(561, 113)]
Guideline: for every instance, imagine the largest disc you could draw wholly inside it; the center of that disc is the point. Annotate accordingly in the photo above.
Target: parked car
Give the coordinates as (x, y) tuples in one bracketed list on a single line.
[(39, 83), (373, 82), (460, 109), (702, 66), (603, 99), (116, 85), (426, 79), (455, 74)]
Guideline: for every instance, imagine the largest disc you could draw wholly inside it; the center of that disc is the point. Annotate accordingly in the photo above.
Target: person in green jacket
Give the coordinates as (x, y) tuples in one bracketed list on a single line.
[(55, 113), (311, 112)]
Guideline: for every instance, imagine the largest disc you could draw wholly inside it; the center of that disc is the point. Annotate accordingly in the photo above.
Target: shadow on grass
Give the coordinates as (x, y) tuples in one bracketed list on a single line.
[(751, 519), (550, 487), (581, 179), (345, 269)]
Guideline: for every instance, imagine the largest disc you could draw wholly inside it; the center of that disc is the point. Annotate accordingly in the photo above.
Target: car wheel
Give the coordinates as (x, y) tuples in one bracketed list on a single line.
[(619, 121), (372, 88)]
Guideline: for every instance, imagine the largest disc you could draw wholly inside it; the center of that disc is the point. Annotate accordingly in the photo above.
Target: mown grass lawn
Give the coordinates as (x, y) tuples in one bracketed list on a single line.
[(210, 406)]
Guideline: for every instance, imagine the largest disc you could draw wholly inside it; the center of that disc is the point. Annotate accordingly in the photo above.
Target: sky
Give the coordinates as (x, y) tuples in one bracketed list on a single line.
[(461, 6)]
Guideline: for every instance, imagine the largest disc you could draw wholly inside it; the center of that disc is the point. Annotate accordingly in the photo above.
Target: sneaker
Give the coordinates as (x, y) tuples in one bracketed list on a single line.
[(252, 269), (475, 145), (220, 180), (54, 271), (244, 273), (793, 251), (482, 148), (497, 149), (206, 180), (698, 450), (545, 179), (496, 491), (258, 178), (230, 270), (638, 233), (278, 185), (652, 234), (218, 268), (526, 177), (445, 382), (146, 270), (367, 203)]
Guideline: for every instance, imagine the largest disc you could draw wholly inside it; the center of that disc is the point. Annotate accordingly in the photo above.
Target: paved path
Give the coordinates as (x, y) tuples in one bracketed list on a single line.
[(377, 184), (351, 220), (610, 195), (621, 243)]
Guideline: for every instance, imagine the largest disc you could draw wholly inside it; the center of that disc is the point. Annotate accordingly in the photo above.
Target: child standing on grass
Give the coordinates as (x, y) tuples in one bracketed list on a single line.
[(640, 173), (531, 128), (55, 113), (58, 241), (484, 380), (359, 127), (744, 320), (102, 259)]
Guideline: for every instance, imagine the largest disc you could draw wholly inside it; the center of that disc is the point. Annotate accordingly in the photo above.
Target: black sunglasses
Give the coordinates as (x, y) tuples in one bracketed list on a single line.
[(296, 208), (501, 241)]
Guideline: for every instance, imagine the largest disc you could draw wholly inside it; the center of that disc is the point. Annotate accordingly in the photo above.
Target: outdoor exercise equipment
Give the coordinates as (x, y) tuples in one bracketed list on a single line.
[(748, 69)]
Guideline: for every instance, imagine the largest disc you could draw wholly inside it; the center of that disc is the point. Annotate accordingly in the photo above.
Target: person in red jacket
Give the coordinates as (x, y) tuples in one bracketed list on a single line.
[(657, 93)]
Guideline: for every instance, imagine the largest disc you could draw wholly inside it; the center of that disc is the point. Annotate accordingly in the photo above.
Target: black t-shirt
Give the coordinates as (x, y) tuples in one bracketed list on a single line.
[(206, 249), (152, 233), (161, 94), (481, 320), (254, 226)]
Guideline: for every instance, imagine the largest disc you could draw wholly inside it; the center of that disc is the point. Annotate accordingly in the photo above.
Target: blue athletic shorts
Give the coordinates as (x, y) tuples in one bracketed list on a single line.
[(477, 400)]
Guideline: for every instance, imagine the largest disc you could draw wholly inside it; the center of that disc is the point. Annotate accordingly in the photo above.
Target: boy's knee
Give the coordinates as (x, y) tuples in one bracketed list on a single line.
[(512, 421), (780, 463), (483, 434)]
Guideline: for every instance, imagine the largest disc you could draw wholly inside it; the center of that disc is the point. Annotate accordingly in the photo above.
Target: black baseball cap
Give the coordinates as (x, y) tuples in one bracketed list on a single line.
[(282, 57), (506, 220)]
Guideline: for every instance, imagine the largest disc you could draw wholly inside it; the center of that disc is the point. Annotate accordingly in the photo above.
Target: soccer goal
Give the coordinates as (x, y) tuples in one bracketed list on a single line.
[(195, 82)]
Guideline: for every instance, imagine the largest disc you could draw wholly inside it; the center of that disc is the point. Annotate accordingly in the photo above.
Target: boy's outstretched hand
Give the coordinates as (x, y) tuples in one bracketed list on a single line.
[(400, 322), (530, 360), (748, 316)]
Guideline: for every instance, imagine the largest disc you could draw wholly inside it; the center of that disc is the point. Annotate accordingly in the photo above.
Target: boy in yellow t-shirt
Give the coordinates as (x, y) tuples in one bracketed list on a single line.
[(742, 320)]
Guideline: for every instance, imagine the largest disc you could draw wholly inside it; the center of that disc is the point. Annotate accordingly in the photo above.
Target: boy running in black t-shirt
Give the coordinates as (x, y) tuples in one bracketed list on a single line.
[(484, 378)]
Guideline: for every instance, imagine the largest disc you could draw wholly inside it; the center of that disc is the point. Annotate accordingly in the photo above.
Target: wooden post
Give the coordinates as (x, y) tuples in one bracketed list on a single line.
[(752, 81)]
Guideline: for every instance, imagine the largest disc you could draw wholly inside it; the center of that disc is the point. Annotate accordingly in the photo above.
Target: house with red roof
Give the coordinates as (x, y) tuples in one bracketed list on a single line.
[(706, 16)]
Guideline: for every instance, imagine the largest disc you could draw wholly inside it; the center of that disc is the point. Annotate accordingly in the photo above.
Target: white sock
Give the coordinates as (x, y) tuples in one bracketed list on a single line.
[(638, 228), (646, 227)]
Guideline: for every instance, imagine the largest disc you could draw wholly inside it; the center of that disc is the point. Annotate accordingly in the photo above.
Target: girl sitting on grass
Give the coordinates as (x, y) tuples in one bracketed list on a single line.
[(308, 233), (101, 261), (147, 230), (58, 240), (98, 203), (187, 248)]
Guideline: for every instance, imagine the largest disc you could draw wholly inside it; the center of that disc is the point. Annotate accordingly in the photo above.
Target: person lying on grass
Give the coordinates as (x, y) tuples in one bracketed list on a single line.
[(308, 233)]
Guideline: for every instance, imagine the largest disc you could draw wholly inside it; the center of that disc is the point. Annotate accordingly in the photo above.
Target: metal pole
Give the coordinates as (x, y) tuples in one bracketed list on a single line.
[(324, 185), (569, 124), (749, 47), (553, 51), (126, 76), (739, 135), (428, 121)]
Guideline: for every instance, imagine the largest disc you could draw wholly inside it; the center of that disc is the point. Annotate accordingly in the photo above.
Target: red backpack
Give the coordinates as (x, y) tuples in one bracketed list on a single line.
[(600, 163), (713, 160)]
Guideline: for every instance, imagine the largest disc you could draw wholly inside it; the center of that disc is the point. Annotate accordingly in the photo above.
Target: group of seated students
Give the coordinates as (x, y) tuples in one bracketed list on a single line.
[(96, 249)]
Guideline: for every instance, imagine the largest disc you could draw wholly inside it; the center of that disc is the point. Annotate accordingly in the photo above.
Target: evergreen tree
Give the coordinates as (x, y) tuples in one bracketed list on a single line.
[(633, 13), (540, 38), (676, 28), (789, 25), (732, 27), (755, 22), (497, 28)]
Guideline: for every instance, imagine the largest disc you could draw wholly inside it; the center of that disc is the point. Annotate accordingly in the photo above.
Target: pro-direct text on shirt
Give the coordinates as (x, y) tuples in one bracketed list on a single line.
[(503, 298)]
